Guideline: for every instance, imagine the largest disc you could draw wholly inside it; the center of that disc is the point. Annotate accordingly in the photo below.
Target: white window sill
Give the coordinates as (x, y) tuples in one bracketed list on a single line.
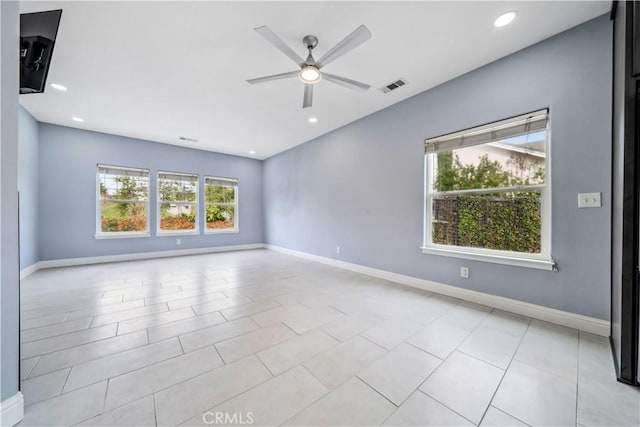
[(539, 263), (177, 233), (116, 235), (221, 231)]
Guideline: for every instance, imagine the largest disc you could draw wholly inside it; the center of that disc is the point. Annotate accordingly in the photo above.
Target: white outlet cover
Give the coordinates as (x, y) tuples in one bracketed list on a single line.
[(464, 272), (589, 200)]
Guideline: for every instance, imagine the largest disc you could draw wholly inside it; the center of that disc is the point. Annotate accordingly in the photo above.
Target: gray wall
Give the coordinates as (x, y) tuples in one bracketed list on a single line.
[(28, 188), (68, 159), (361, 186), (9, 269)]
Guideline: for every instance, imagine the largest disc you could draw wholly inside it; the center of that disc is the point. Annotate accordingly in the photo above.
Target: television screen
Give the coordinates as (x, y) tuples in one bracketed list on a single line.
[(38, 33)]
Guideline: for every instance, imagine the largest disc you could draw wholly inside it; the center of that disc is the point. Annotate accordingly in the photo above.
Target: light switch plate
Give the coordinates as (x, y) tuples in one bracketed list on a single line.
[(589, 200)]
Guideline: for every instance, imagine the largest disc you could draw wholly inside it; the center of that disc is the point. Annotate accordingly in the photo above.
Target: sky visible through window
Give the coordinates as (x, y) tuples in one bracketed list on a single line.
[(526, 139)]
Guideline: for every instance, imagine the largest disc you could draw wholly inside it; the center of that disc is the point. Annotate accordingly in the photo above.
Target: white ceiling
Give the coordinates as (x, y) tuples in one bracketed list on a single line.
[(161, 70)]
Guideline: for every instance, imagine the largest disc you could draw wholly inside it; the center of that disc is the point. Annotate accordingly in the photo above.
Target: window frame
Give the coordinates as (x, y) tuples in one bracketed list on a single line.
[(99, 234), (164, 233), (543, 260), (236, 221)]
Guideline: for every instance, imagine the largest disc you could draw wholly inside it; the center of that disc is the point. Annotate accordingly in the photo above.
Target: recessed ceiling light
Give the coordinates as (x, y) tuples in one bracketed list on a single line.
[(77, 119), (252, 152), (313, 120), (59, 87), (505, 18)]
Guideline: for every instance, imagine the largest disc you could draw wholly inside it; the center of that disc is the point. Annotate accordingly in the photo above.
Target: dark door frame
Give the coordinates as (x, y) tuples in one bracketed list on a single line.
[(627, 369)]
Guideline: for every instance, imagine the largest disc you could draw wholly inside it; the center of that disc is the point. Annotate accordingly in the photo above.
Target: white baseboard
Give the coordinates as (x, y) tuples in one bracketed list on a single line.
[(12, 410), (27, 271), (564, 318), (67, 262)]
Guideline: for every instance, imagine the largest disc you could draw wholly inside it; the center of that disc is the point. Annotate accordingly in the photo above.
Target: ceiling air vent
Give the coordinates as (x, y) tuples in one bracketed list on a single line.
[(393, 86), (185, 139)]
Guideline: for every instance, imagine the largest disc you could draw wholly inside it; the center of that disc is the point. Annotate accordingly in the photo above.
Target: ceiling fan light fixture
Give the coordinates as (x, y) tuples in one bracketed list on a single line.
[(310, 74)]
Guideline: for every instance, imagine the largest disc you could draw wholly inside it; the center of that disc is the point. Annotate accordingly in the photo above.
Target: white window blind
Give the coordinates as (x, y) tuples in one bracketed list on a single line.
[(226, 182), (122, 171), (492, 132)]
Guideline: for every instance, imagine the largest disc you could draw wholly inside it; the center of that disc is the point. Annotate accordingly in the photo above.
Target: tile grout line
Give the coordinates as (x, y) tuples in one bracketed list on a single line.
[(505, 374), (66, 380), (224, 362), (456, 349), (228, 399), (74, 346), (97, 358), (328, 392), (155, 409)]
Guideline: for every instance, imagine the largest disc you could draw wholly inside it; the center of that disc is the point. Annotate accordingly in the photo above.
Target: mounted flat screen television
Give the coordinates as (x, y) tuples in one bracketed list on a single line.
[(38, 32)]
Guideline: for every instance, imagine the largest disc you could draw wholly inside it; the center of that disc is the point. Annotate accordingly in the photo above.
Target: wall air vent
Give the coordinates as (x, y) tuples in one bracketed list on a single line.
[(185, 139), (393, 86)]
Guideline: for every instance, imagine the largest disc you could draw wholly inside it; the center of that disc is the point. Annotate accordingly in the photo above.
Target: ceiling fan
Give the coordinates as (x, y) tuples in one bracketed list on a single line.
[(309, 72)]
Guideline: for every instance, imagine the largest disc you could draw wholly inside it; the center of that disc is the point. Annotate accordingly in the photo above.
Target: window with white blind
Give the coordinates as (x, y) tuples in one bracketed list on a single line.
[(221, 204), (122, 202), (488, 193), (177, 203)]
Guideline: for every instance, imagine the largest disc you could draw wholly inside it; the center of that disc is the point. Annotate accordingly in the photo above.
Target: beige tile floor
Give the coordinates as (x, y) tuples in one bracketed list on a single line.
[(271, 339)]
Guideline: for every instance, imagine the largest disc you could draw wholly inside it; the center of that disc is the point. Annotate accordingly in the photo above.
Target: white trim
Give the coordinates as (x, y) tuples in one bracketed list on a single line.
[(221, 231), (166, 233), (28, 271), (530, 262), (143, 255), (121, 235), (560, 317), (12, 410)]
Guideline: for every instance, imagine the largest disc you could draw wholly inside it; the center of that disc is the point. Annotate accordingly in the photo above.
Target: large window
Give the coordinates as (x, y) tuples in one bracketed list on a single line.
[(123, 202), (487, 192), (177, 203), (221, 204)]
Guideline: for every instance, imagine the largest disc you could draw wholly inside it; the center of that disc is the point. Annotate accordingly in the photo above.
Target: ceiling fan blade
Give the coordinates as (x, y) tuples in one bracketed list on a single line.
[(273, 77), (353, 40), (308, 96), (348, 83), (265, 32)]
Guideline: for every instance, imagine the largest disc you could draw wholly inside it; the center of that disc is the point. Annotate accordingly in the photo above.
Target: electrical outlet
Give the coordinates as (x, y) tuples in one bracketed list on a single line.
[(337, 249), (464, 272), (178, 242), (589, 200)]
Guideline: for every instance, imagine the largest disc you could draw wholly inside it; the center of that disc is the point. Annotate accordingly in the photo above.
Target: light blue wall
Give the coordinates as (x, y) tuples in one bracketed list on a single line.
[(68, 159), (361, 186), (28, 188), (9, 269)]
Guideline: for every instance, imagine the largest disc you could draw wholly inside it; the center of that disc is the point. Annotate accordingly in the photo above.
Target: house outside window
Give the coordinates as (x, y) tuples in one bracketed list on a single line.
[(488, 193), (122, 202), (177, 203), (221, 205)]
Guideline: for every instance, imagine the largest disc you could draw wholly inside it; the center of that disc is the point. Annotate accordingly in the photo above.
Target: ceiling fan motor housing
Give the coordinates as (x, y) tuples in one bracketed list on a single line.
[(310, 42)]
